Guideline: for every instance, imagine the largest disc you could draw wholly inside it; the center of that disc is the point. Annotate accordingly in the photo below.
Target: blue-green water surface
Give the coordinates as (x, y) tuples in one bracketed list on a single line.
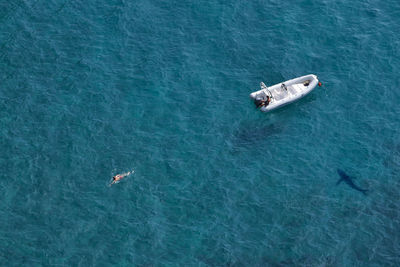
[(89, 89)]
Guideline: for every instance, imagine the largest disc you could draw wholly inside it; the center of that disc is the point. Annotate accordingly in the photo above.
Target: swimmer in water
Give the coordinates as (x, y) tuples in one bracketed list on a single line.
[(119, 177)]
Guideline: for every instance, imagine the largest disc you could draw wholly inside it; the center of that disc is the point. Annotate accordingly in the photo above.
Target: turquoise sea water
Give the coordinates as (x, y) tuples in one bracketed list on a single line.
[(89, 89)]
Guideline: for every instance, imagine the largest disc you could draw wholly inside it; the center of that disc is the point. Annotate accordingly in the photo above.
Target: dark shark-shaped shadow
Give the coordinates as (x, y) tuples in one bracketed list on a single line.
[(349, 180)]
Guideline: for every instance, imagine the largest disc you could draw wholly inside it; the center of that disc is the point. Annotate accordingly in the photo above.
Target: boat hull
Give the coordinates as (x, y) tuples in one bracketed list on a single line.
[(286, 92)]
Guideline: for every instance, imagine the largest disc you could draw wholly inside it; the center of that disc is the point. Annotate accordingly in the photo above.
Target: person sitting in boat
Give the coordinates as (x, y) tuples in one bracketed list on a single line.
[(283, 86), (263, 102), (258, 101), (306, 83)]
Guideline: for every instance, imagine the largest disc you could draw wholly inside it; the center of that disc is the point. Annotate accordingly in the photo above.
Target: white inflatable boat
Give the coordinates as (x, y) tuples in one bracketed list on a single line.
[(278, 95)]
